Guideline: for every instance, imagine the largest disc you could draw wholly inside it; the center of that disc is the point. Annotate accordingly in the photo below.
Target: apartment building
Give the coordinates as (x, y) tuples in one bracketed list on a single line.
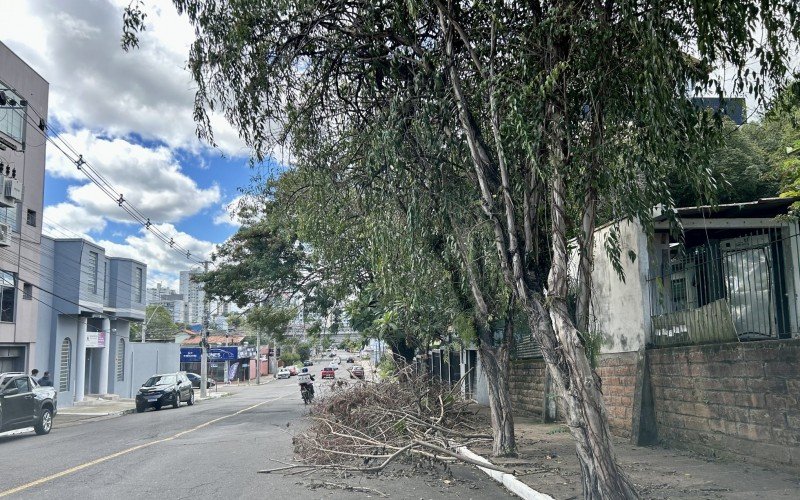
[(193, 296), (168, 299), (23, 113)]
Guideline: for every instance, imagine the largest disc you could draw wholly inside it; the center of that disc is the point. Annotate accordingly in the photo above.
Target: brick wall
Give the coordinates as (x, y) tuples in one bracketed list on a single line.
[(526, 384), (733, 400), (618, 374)]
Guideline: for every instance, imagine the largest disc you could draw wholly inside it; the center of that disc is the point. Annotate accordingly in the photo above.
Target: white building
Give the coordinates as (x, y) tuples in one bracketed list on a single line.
[(169, 300), (193, 297)]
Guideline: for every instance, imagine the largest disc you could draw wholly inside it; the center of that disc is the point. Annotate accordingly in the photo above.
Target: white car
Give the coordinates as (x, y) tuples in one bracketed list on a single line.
[(334, 365), (284, 373)]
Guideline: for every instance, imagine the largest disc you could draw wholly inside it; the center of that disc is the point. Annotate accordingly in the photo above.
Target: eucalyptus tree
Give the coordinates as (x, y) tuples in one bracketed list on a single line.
[(567, 109)]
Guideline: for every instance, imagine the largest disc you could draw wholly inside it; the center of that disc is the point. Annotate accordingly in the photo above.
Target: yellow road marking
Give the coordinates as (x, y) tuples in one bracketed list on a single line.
[(100, 460)]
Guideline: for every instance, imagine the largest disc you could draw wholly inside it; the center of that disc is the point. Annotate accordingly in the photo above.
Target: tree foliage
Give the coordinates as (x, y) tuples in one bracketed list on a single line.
[(528, 121)]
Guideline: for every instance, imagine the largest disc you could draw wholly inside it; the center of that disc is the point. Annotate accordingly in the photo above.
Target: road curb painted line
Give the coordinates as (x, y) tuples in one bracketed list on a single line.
[(100, 460), (511, 483)]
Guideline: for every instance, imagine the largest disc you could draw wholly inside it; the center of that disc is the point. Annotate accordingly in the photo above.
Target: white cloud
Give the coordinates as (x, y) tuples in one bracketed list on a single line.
[(66, 220), (163, 262), (95, 84), (149, 179)]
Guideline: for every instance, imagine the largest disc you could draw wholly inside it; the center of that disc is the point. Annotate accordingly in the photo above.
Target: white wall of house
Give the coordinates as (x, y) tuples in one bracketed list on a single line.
[(620, 309)]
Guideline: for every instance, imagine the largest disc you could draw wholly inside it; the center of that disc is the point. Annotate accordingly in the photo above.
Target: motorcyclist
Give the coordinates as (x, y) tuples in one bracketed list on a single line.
[(306, 381)]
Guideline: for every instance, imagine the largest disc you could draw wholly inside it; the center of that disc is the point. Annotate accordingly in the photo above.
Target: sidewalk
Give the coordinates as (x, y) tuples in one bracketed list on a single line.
[(547, 463)]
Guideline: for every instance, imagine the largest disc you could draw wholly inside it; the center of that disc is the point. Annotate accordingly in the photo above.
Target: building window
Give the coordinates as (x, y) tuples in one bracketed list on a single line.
[(8, 294), (93, 259), (138, 285), (8, 215), (105, 279), (65, 365), (121, 360), (31, 218), (27, 291)]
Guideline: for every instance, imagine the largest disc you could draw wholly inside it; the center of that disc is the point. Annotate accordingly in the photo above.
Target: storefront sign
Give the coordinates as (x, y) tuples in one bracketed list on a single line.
[(194, 354), (95, 339)]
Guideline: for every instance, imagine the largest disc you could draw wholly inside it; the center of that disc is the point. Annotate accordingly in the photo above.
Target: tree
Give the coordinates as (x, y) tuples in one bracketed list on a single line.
[(564, 110), (159, 325)]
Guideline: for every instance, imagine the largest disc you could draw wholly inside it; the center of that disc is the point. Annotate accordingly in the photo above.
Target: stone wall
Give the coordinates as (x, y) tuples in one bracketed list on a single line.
[(526, 384), (737, 400), (618, 373)]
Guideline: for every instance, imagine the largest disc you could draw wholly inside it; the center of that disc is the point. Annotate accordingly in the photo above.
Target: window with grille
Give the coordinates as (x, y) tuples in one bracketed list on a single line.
[(121, 360), (65, 365), (138, 284), (93, 260)]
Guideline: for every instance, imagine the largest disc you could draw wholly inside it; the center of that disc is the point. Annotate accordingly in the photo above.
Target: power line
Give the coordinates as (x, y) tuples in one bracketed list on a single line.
[(104, 185)]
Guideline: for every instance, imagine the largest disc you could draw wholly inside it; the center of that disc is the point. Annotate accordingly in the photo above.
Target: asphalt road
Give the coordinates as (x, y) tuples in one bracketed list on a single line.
[(210, 450)]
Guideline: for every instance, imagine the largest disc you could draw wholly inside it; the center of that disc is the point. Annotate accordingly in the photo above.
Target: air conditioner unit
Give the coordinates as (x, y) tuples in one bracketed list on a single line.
[(5, 235), (4, 201), (13, 189)]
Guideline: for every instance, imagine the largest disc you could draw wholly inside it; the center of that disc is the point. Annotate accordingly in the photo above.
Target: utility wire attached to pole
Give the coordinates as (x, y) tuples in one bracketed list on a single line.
[(204, 355)]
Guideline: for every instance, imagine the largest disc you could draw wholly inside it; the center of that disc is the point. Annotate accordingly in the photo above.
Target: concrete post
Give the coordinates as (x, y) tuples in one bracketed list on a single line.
[(80, 360), (104, 357)]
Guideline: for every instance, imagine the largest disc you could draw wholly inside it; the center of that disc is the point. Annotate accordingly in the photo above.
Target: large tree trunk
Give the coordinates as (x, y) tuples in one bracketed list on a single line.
[(494, 362)]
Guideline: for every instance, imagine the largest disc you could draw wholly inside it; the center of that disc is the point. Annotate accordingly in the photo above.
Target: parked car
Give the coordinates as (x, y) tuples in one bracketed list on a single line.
[(24, 403), (357, 372), (308, 363), (328, 372), (165, 388), (284, 373), (292, 370), (195, 380), (350, 361), (332, 355)]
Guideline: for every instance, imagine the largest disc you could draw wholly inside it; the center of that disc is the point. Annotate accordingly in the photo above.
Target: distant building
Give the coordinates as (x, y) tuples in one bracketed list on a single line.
[(193, 296), (734, 108), (168, 299)]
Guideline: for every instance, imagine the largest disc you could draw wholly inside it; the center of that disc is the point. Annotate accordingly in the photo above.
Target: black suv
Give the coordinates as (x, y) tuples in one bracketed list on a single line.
[(166, 388), (23, 403)]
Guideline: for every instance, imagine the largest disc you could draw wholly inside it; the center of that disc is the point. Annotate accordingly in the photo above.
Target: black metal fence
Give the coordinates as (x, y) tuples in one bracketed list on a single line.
[(740, 287)]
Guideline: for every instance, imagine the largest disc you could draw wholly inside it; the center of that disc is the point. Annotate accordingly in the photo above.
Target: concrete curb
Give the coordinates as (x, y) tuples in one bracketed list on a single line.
[(511, 483), (117, 413)]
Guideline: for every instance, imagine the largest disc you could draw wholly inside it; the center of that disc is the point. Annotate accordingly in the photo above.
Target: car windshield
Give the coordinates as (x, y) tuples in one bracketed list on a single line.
[(160, 380)]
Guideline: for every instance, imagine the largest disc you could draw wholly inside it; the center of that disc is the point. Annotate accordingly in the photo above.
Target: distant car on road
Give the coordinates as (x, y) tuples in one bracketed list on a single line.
[(332, 355), (195, 380), (351, 361), (284, 373), (23, 403), (166, 388), (357, 372), (328, 372), (333, 365), (308, 363)]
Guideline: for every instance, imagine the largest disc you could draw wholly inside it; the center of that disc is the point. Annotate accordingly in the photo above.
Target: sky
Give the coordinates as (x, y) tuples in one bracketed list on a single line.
[(130, 116)]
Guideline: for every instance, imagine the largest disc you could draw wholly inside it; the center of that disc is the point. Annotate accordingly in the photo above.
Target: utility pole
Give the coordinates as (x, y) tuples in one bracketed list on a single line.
[(258, 356), (204, 343)]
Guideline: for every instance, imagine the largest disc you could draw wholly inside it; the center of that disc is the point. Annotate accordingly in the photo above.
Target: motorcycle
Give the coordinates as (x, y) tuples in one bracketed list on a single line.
[(306, 393)]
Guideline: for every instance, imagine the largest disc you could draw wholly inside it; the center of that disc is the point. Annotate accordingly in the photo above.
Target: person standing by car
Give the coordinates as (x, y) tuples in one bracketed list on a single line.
[(45, 380), (35, 375)]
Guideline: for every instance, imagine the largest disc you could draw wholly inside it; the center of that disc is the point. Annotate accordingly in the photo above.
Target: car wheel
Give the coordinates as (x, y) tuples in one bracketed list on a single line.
[(191, 398), (157, 406), (176, 399), (45, 422), (140, 408)]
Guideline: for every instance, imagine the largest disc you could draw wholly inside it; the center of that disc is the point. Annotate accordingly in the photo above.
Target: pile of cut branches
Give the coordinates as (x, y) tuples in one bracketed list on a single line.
[(366, 426)]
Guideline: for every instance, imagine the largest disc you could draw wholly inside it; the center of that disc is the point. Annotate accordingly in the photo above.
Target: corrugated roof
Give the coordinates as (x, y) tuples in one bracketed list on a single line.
[(765, 207)]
